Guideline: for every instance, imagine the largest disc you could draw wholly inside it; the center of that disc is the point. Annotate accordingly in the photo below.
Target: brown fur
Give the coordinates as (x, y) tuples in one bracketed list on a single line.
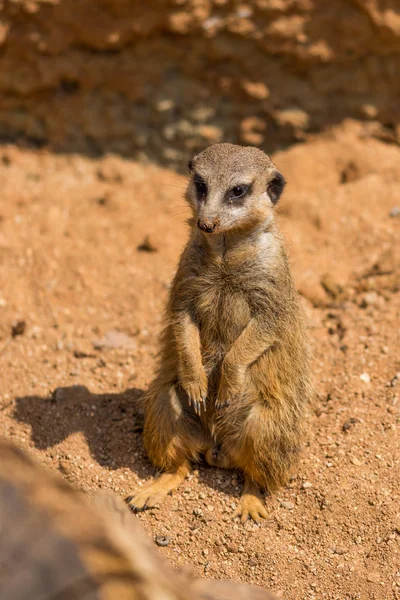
[(233, 376)]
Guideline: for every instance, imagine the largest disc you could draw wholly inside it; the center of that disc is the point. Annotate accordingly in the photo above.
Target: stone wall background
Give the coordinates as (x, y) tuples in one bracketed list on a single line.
[(160, 79)]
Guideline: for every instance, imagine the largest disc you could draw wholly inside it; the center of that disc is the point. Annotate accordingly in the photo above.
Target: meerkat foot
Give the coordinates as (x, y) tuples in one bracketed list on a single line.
[(251, 504), (155, 491)]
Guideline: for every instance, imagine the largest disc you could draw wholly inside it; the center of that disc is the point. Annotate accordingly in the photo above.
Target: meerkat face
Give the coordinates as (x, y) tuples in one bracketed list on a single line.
[(232, 188)]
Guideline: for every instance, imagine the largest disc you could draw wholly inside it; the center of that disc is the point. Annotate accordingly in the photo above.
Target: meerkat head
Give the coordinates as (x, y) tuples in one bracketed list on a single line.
[(232, 188)]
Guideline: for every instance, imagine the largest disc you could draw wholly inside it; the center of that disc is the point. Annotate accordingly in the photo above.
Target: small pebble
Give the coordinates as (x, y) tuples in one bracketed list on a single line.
[(306, 485), (373, 577), (148, 245), (370, 299), (287, 505), (162, 540), (252, 562), (339, 550), (395, 212), (349, 423), (365, 378), (18, 328)]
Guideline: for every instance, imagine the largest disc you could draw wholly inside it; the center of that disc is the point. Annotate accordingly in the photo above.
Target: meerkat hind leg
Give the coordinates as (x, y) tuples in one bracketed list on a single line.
[(155, 491), (251, 503)]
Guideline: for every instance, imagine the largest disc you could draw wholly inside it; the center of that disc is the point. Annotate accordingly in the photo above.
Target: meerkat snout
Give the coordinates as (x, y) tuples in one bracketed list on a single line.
[(208, 225), (232, 188)]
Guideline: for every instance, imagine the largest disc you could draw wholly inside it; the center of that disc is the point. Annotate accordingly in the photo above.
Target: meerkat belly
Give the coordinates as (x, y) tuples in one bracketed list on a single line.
[(223, 316)]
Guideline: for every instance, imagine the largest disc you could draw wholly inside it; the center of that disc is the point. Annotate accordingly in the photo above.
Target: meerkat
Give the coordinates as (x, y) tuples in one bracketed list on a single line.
[(233, 377)]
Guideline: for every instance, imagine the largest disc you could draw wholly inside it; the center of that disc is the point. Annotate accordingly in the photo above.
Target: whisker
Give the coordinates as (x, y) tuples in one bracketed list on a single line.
[(178, 187), (179, 213)]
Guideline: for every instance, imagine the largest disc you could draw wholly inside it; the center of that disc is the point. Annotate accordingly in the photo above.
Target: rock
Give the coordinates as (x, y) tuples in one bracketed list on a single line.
[(162, 540), (115, 339), (370, 299), (369, 111), (287, 505), (295, 117), (148, 245), (4, 29), (394, 381), (210, 133), (365, 378), (339, 550), (306, 485), (252, 138), (109, 171), (373, 577), (347, 425), (18, 328), (232, 547), (64, 394), (251, 130), (350, 173), (395, 212), (83, 354), (164, 105), (103, 200), (331, 286), (256, 89)]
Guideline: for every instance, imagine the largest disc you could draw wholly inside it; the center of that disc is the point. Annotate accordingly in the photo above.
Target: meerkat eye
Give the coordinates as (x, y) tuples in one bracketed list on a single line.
[(201, 187), (238, 192)]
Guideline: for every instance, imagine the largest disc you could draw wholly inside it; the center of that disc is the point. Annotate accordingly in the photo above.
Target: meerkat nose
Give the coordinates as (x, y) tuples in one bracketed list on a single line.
[(208, 225)]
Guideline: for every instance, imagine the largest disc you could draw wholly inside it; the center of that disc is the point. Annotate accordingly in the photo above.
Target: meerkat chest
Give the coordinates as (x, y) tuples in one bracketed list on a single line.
[(222, 303)]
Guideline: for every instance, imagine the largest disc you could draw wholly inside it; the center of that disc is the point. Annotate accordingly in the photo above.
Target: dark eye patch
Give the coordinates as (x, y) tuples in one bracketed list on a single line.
[(238, 192), (201, 186)]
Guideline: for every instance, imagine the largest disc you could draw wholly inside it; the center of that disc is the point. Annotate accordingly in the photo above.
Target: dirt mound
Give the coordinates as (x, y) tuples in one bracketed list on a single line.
[(75, 268), (160, 79)]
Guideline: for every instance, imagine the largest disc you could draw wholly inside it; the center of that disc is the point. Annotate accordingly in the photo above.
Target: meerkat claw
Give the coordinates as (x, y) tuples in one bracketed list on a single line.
[(222, 405), (198, 405)]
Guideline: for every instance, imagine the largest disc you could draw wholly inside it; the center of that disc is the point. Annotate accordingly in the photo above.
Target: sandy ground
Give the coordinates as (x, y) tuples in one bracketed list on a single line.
[(72, 270)]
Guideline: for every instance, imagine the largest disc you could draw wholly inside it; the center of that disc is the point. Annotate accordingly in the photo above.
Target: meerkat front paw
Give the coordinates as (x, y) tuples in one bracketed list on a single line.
[(196, 390), (230, 387)]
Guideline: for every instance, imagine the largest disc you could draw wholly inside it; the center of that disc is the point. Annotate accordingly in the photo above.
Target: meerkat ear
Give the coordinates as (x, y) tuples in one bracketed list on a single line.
[(275, 187)]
